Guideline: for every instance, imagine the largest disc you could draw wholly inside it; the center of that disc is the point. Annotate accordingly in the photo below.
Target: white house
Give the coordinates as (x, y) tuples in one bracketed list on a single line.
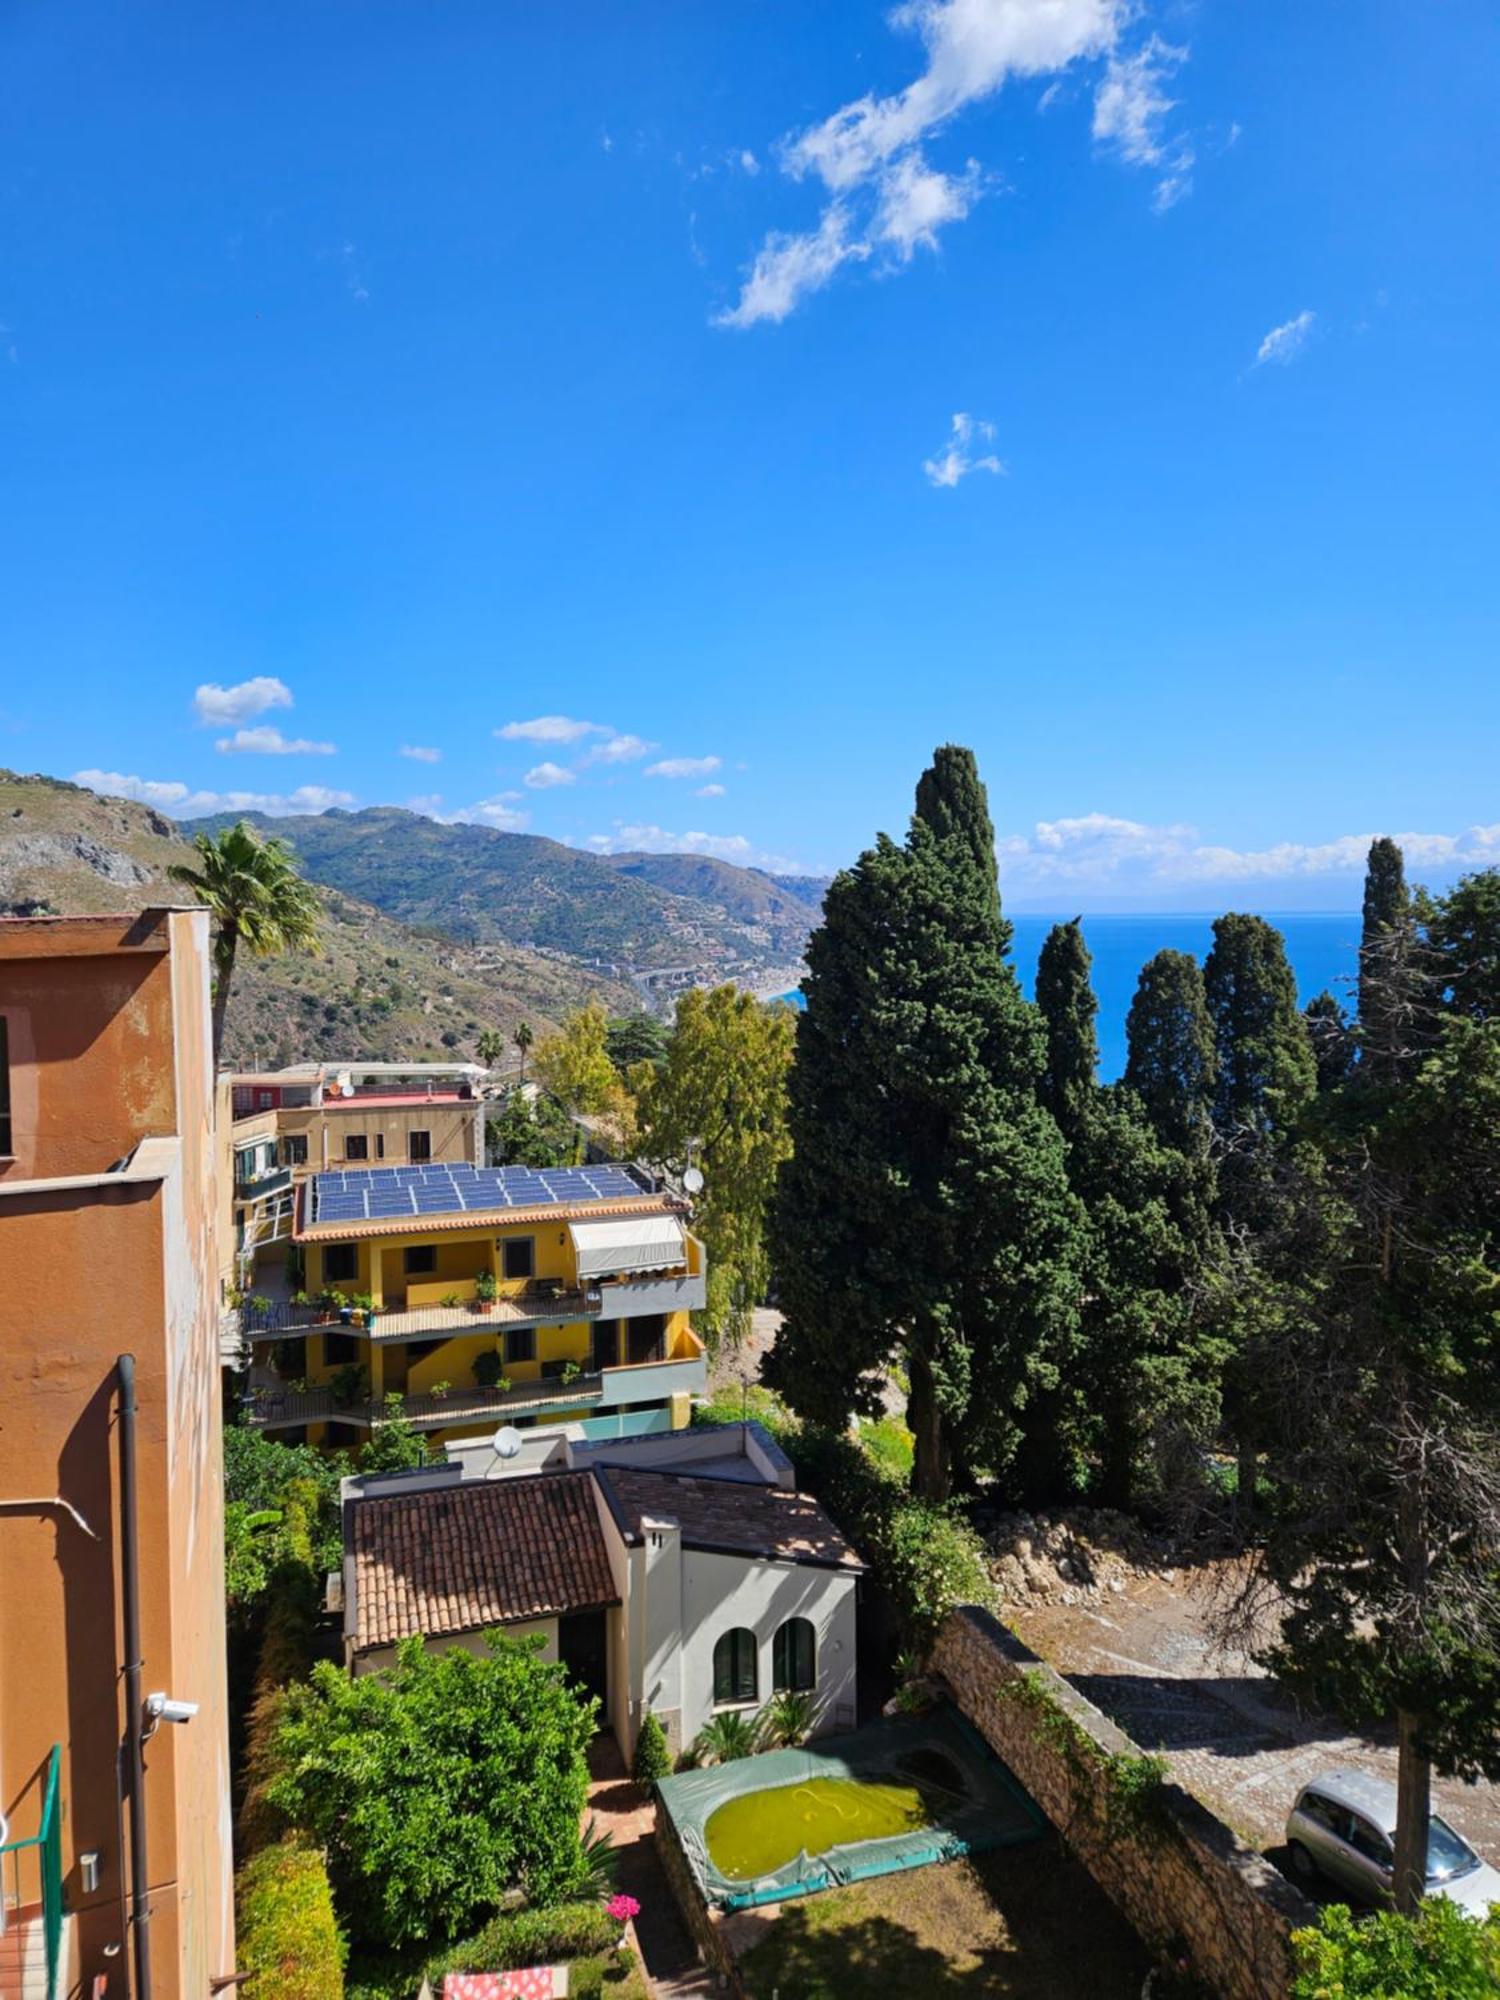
[(681, 1572)]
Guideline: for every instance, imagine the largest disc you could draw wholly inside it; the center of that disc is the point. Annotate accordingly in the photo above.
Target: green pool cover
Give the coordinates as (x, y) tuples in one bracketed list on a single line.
[(908, 1791)]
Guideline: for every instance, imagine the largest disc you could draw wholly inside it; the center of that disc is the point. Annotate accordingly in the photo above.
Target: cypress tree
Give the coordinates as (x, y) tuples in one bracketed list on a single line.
[(1332, 1036), (1384, 956), (1065, 999), (1170, 1063), (1265, 1075), (924, 1214)]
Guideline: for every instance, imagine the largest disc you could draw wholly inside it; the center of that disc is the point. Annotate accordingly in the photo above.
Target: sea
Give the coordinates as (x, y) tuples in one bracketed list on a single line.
[(1323, 948)]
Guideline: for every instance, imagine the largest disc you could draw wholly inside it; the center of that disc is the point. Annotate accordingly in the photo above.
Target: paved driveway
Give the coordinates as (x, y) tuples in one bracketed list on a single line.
[(1232, 1736)]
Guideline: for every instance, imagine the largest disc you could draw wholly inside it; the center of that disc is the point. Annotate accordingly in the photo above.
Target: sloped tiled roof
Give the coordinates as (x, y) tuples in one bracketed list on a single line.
[(485, 1552), (727, 1515)]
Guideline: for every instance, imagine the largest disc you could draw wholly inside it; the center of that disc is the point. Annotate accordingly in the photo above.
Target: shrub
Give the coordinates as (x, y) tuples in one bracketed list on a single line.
[(437, 1785), (530, 1937), (653, 1760), (1440, 1954), (292, 1599), (397, 1443), (930, 1561), (787, 1718), (727, 1737), (287, 1937)]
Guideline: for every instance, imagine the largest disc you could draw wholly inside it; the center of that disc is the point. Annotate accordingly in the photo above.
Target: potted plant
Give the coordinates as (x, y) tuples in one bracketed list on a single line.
[(364, 1309), (451, 1300), (485, 1291), (489, 1372), (440, 1389), (569, 1373)]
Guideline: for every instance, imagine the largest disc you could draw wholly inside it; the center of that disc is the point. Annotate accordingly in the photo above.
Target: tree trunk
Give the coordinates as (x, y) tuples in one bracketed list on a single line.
[(1413, 1809), (932, 1471), (223, 975)]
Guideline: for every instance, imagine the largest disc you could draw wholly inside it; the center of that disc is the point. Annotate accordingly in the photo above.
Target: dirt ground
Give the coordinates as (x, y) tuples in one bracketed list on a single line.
[(1135, 1639), (1024, 1923)]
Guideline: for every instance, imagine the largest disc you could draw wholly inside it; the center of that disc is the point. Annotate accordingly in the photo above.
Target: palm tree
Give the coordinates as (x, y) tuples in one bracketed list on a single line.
[(523, 1039), (257, 899), (490, 1048)]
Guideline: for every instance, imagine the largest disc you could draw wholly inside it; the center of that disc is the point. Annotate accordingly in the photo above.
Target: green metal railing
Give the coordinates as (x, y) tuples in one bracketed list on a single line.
[(47, 1841)]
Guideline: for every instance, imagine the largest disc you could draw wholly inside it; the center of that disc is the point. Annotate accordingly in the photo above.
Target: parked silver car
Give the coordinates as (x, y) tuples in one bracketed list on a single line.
[(1343, 1827)]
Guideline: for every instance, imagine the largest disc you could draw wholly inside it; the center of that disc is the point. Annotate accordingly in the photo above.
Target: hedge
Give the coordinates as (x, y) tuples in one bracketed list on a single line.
[(292, 1609), (530, 1937), (288, 1937)]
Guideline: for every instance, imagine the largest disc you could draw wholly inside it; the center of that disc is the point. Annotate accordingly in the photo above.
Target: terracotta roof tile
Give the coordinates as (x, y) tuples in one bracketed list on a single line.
[(487, 1552)]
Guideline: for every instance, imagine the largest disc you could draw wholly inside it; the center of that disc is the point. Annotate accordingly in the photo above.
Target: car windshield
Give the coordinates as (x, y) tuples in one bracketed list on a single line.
[(1447, 1854)]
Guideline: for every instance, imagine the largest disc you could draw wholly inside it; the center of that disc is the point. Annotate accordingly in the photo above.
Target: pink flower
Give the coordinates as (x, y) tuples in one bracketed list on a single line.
[(623, 1908)]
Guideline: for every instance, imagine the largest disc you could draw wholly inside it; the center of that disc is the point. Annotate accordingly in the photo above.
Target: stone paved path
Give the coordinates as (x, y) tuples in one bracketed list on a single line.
[(671, 1961)]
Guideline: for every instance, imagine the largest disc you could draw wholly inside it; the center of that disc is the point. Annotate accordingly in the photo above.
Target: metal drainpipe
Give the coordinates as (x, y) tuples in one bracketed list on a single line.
[(130, 1581)]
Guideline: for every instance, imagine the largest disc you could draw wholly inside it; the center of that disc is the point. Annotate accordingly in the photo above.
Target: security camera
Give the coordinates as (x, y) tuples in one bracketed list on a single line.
[(162, 1708)]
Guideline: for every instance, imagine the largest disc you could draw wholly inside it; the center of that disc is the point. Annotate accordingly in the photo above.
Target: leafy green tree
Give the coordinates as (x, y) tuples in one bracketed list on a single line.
[(532, 1133), (437, 1785), (720, 1102), (1461, 937), (257, 899), (1385, 1450), (1171, 1065), (394, 1445), (574, 1063), (1438, 1954), (260, 1472), (924, 1215)]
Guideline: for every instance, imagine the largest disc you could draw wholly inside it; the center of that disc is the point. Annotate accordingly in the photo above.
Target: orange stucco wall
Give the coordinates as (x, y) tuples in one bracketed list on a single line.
[(89, 1274)]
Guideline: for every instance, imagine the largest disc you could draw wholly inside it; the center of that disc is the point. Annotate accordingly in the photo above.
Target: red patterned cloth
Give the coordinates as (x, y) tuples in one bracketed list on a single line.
[(535, 1983)]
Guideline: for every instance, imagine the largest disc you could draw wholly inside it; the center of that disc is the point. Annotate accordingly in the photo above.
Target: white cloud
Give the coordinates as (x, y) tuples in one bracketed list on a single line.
[(684, 767), (171, 796), (1101, 851), (215, 704), (543, 777), (787, 268), (551, 729), (421, 753), (267, 741), (428, 804), (710, 792), (497, 811), (733, 847), (1285, 342), (1130, 111), (620, 750), (869, 154), (749, 162), (959, 458)]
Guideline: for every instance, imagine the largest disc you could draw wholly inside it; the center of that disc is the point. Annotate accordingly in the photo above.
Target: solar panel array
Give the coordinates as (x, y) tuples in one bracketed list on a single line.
[(394, 1194)]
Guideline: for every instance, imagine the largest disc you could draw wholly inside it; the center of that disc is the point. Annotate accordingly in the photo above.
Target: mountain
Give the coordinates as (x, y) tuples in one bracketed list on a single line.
[(635, 913), (377, 989)]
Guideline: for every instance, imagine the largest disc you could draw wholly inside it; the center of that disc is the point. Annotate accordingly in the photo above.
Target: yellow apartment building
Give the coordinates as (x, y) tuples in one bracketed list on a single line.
[(468, 1298)]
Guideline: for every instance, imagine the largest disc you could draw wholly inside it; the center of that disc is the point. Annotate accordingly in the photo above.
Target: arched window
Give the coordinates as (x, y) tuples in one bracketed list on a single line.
[(734, 1667), (794, 1663)]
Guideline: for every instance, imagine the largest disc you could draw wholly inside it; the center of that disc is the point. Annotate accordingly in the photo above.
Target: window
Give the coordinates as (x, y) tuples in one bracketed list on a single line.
[(419, 1146), (340, 1263), (264, 1100), (5, 1146), (294, 1150), (380, 1145), (1366, 1841), (356, 1146), (520, 1343), (794, 1657), (420, 1261), (606, 1344), (519, 1253), (734, 1667), (1324, 1813)]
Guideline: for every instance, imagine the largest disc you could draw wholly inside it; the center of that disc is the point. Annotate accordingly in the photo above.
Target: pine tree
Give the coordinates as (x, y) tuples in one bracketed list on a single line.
[(1331, 1033), (1265, 1075), (1385, 944), (1065, 1000), (924, 1214)]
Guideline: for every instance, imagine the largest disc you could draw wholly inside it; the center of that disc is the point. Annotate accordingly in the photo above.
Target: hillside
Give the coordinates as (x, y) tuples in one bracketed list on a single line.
[(631, 912), (377, 989)]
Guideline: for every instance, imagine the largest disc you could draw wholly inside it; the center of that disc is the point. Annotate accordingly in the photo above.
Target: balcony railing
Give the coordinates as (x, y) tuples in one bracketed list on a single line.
[(279, 1409), (31, 1878), (278, 1319)]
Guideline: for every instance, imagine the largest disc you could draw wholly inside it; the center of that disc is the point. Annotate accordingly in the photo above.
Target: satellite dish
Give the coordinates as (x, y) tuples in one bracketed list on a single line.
[(692, 1180), (345, 1084), (506, 1442)]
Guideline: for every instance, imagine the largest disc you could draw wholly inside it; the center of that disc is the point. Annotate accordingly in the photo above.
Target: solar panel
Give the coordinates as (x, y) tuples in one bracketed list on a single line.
[(436, 1188)]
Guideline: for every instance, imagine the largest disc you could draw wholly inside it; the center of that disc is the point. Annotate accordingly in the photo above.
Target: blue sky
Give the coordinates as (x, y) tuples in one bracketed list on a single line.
[(673, 421)]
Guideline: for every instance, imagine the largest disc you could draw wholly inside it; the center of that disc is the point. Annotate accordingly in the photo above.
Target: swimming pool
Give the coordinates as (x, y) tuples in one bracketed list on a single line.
[(909, 1791)]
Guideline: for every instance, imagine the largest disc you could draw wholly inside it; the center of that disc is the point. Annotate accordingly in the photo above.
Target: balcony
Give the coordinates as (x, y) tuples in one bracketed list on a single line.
[(32, 1918), (608, 1388), (260, 1187), (534, 1305)]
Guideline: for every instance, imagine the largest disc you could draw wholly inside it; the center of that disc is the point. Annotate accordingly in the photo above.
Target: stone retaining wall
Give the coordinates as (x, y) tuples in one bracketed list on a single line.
[(1186, 1877), (703, 1924)]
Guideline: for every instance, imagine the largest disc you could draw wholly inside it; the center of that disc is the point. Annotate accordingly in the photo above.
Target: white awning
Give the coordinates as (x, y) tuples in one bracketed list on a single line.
[(636, 1243)]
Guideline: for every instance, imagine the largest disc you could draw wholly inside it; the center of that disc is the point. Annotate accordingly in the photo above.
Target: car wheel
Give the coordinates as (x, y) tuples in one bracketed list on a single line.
[(1301, 1864)]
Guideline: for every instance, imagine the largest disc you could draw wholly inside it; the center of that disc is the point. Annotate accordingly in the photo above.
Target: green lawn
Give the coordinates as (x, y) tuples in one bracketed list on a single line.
[(1024, 1923)]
